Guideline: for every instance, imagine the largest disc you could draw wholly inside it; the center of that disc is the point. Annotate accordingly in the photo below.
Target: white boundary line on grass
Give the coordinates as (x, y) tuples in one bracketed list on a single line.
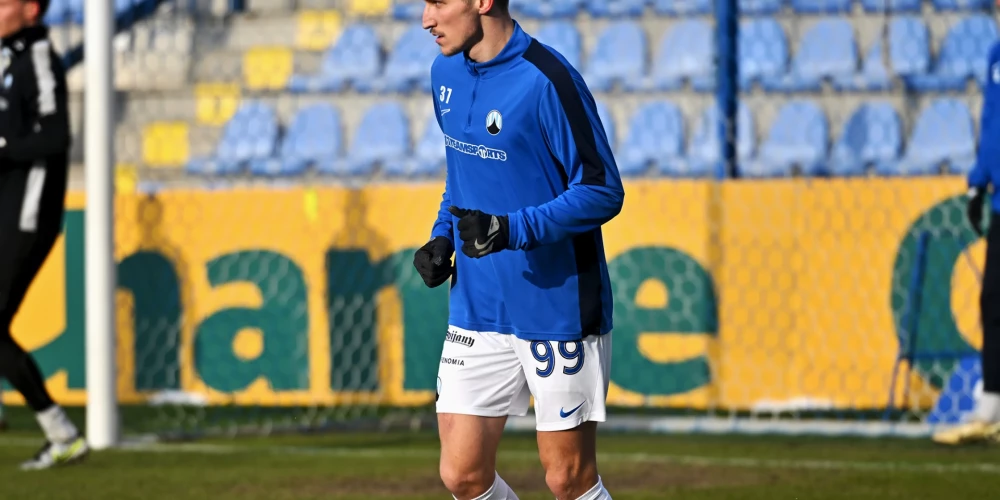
[(664, 458)]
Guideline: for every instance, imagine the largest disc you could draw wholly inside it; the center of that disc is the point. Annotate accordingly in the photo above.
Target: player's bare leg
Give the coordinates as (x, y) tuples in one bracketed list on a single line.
[(468, 456), (570, 461)]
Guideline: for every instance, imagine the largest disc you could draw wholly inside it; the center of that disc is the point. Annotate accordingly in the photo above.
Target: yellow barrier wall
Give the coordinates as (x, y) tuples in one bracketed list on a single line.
[(727, 295)]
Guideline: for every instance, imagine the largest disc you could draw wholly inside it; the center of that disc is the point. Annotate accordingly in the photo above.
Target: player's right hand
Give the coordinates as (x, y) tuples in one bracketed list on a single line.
[(974, 211), (433, 261)]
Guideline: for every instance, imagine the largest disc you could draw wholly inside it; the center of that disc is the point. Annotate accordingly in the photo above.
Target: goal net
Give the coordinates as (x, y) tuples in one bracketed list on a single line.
[(279, 165)]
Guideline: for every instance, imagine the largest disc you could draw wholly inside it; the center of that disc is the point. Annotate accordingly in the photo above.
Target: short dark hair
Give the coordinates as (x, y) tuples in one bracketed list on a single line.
[(503, 5)]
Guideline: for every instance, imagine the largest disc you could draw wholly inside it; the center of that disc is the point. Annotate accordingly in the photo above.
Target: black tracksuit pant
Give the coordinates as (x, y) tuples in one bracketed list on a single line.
[(30, 219), (989, 309)]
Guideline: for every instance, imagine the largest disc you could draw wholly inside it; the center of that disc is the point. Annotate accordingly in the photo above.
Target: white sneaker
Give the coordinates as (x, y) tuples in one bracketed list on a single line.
[(57, 454)]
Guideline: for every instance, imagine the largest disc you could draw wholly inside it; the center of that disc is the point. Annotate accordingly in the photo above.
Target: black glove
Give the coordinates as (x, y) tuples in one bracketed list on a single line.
[(433, 261), (974, 211), (481, 234)]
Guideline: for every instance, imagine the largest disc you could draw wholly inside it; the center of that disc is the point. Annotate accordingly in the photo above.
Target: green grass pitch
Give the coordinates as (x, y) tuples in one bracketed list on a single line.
[(404, 466)]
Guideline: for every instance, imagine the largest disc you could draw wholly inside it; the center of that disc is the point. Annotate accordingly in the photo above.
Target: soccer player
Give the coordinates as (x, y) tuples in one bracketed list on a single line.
[(984, 424), (34, 160), (530, 180)]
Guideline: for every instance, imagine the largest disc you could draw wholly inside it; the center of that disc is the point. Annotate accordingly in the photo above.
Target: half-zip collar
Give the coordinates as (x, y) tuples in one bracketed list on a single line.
[(511, 54), (25, 37)]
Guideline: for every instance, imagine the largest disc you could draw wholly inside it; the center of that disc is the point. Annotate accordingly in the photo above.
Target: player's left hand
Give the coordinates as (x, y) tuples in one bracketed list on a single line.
[(481, 234)]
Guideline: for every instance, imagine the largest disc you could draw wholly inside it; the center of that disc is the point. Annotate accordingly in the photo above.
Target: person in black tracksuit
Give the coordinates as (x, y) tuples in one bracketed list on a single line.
[(34, 163)]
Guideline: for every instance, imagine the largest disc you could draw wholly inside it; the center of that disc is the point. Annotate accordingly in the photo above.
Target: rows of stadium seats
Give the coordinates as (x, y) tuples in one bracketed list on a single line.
[(943, 139), (546, 9), (827, 50), (71, 11)]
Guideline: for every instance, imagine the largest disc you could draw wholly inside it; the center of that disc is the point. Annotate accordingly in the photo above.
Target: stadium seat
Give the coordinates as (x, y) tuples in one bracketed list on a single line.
[(428, 156), (317, 30), (165, 144), (267, 68), (407, 10), (909, 46), (313, 138), (682, 8), (872, 138), (797, 138), (763, 51), (615, 8), (822, 6), (873, 76), (880, 6), (760, 7), (968, 5), (826, 50), (655, 137), (368, 7), (686, 53), (608, 120), (564, 38), (381, 138), (409, 64), (59, 13), (546, 9), (963, 55), (354, 59), (251, 134), (619, 56), (704, 153), (943, 133)]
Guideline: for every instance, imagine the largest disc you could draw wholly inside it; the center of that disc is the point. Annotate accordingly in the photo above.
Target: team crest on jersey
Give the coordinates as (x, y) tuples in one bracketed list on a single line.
[(494, 122), (995, 73)]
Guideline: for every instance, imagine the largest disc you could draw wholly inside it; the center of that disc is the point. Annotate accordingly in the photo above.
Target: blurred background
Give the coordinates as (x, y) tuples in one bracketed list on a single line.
[(277, 163)]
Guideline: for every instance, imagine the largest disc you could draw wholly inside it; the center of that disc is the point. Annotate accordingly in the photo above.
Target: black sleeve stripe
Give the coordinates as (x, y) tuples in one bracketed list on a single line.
[(588, 267), (572, 104)]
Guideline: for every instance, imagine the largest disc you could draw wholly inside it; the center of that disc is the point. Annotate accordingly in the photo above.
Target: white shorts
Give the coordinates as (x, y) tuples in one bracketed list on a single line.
[(490, 374)]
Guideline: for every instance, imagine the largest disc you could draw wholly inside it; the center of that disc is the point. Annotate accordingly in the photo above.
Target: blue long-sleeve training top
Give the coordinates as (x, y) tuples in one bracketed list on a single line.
[(987, 168), (524, 139)]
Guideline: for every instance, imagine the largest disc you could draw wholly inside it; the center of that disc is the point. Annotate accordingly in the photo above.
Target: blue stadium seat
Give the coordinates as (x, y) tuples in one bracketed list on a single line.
[(963, 55), (608, 120), (682, 8), (872, 137), (969, 5), (616, 8), (619, 56), (407, 10), (313, 138), (250, 135), (763, 50), (879, 6), (409, 64), (546, 9), (428, 156), (760, 7), (564, 38), (822, 6), (354, 59), (943, 133), (686, 53), (381, 138), (873, 76), (797, 137), (655, 137), (826, 50), (704, 153), (59, 13), (909, 46)]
